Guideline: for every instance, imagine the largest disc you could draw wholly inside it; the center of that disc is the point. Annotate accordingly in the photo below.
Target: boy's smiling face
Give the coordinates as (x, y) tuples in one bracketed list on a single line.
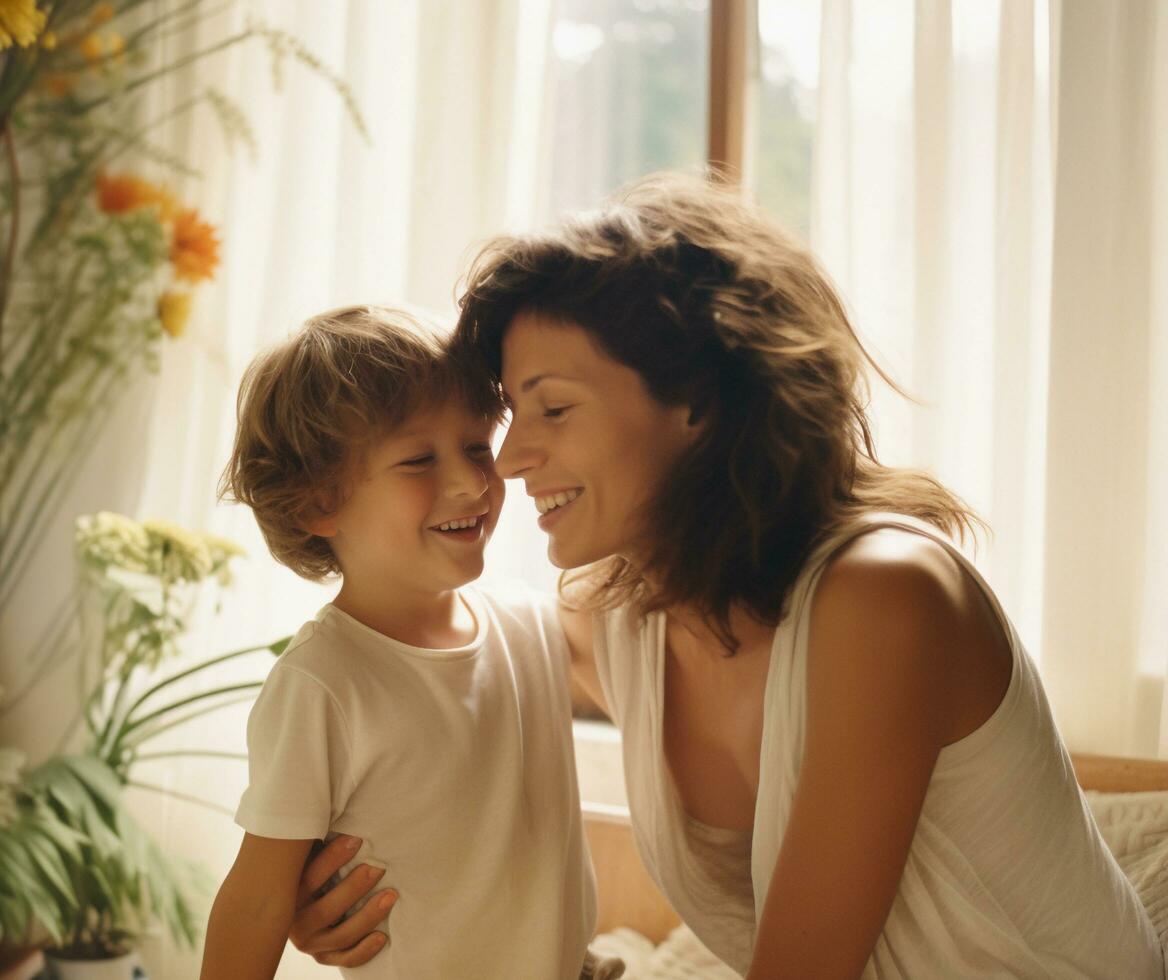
[(421, 509)]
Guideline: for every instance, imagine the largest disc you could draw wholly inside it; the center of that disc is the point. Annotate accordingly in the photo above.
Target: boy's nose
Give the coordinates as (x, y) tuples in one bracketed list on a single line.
[(467, 480), (517, 455)]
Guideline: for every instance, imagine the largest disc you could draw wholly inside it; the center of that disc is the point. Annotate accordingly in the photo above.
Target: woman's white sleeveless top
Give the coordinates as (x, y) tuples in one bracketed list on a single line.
[(1006, 876)]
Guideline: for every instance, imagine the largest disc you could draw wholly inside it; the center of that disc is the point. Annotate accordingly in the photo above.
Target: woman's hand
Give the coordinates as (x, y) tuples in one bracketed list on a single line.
[(317, 929)]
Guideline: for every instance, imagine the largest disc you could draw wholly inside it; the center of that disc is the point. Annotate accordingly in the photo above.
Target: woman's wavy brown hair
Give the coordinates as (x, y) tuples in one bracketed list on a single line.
[(717, 308), (311, 405)]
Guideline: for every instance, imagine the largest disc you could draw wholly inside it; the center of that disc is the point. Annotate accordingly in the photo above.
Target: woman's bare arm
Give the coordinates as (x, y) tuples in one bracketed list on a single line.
[(248, 926), (577, 626), (877, 701)]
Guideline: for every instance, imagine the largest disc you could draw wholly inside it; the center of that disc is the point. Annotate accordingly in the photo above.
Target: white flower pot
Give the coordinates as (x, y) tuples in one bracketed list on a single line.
[(128, 967)]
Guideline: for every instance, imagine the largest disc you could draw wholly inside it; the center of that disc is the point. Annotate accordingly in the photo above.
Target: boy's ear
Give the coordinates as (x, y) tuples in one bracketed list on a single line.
[(321, 519), (324, 526)]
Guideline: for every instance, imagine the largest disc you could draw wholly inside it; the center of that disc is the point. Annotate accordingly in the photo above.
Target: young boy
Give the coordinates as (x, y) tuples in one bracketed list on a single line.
[(428, 719)]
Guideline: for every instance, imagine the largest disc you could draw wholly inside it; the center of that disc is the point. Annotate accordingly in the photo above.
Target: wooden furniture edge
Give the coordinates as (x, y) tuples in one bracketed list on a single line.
[(1117, 774)]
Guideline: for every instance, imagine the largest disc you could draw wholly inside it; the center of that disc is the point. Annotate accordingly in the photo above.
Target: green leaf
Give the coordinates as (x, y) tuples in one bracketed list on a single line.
[(97, 777), (14, 915), (48, 862), (64, 838), (32, 898), (85, 806)]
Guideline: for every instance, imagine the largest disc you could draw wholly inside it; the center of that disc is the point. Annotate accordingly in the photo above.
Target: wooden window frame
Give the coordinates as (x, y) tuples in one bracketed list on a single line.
[(733, 34)]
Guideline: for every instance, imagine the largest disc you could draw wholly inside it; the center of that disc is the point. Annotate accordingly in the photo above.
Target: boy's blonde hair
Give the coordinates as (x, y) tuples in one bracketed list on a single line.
[(310, 407)]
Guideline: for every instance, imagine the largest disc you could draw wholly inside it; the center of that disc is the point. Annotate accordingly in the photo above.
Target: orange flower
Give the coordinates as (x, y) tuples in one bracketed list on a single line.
[(194, 250), (117, 195), (57, 84), (101, 13), (174, 311)]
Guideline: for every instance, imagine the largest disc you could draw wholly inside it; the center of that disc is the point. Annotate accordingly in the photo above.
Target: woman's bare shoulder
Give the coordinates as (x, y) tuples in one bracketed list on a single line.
[(896, 571), (908, 589)]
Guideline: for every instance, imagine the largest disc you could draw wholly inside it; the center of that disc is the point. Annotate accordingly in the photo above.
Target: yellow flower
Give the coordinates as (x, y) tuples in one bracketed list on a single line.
[(167, 205), (106, 539), (49, 41), (20, 23), (174, 310), (194, 250), (115, 44), (101, 13), (92, 48), (178, 553)]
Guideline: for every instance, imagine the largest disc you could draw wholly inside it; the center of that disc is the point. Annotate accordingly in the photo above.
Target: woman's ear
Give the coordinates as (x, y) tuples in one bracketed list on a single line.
[(692, 422)]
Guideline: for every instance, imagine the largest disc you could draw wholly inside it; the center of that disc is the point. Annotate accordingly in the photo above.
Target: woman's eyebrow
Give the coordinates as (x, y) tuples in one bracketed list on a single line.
[(535, 380)]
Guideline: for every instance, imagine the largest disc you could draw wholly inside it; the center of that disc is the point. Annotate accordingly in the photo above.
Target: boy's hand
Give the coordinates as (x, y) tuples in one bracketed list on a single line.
[(316, 929)]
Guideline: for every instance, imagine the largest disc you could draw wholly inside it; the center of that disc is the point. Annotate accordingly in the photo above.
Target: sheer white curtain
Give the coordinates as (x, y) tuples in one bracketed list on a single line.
[(990, 195)]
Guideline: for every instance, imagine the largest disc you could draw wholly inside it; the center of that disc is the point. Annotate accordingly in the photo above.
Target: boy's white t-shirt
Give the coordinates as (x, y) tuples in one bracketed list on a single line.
[(455, 767)]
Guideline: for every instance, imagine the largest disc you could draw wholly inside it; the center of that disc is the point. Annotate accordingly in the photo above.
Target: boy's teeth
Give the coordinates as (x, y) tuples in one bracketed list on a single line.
[(459, 525), (544, 504)]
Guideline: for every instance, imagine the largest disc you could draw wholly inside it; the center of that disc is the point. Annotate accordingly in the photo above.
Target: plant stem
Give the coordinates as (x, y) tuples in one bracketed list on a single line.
[(35, 356), (195, 752), (181, 796), (129, 140), (132, 726), (38, 412), (13, 560), (62, 626), (205, 710), (166, 70), (194, 670), (13, 232), (106, 732)]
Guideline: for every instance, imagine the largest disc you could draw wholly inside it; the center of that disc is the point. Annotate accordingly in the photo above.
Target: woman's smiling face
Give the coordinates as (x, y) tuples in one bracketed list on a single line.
[(591, 444)]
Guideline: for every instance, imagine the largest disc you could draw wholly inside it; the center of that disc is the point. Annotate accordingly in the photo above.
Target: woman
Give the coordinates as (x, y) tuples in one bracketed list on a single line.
[(839, 757)]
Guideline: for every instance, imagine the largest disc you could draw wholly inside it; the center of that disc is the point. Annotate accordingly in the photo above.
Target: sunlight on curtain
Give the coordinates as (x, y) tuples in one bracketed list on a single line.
[(937, 210), (1106, 623)]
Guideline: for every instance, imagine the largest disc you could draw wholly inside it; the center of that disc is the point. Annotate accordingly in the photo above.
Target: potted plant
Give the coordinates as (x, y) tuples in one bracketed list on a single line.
[(80, 872)]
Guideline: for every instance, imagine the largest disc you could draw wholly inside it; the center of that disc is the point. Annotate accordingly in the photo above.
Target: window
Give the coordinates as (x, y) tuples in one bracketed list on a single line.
[(784, 111), (630, 84)]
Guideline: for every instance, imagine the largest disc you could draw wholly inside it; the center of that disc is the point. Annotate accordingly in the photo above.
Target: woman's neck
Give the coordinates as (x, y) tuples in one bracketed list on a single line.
[(692, 635)]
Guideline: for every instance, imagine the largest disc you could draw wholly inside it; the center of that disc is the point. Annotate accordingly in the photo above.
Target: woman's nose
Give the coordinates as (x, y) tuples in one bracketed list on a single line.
[(517, 455)]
